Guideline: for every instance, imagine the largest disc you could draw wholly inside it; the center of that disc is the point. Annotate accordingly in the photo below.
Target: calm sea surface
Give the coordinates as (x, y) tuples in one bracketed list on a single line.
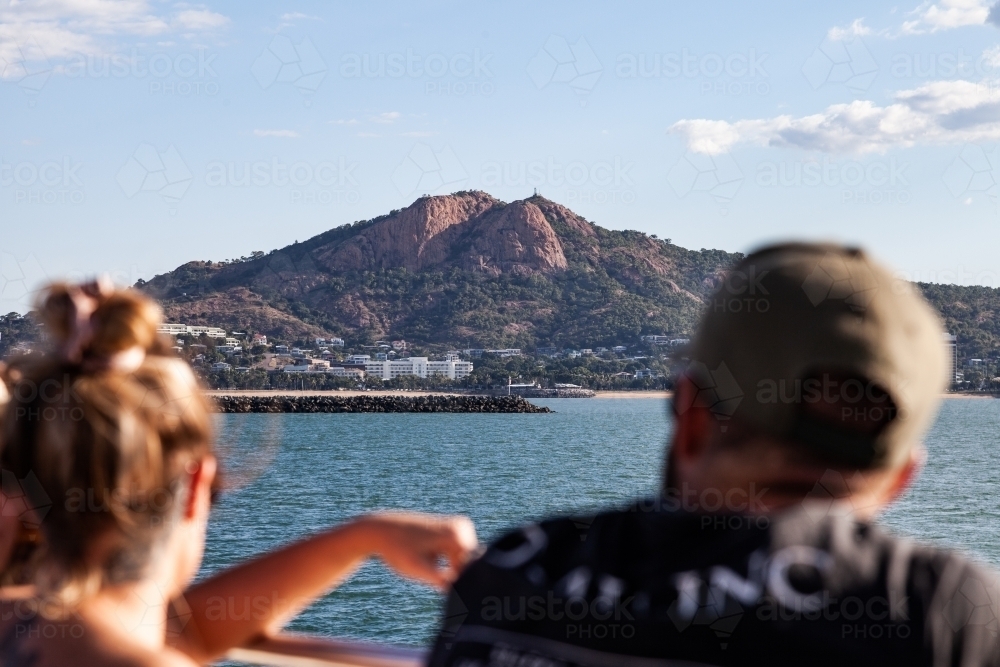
[(296, 474)]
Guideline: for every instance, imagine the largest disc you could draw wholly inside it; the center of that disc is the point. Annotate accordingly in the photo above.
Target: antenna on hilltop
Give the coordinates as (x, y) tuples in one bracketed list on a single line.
[(536, 192)]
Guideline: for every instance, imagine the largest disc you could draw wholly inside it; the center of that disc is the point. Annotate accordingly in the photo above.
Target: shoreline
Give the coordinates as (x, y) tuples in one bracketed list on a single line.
[(640, 394), (405, 393)]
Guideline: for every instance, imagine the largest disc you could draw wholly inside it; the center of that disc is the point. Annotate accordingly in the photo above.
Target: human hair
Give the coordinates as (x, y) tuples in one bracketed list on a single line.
[(101, 430)]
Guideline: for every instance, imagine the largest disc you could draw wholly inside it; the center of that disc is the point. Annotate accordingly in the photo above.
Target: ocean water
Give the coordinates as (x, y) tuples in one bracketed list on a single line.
[(292, 475)]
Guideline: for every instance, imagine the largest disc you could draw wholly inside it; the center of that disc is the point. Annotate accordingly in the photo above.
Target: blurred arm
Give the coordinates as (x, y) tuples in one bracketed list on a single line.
[(260, 596)]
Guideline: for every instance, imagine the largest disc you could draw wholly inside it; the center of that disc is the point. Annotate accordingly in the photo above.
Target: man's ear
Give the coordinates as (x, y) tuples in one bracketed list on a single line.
[(199, 495), (907, 474), (693, 424)]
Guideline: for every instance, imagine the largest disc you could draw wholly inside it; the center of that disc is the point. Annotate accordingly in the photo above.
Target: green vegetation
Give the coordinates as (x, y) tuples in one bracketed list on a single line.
[(18, 333), (970, 313), (618, 286)]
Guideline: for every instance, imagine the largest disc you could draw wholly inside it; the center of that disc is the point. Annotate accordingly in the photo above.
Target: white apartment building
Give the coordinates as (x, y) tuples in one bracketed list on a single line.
[(341, 372), (211, 332), (177, 329), (507, 352), (419, 366), (336, 342)]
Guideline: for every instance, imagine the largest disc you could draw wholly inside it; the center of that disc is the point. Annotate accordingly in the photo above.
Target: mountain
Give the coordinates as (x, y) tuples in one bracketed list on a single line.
[(464, 269), (468, 270)]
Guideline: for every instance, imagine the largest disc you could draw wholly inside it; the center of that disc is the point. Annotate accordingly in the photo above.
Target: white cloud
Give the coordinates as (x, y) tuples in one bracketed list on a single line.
[(297, 16), (387, 117), (199, 19), (287, 134), (940, 112), (947, 14), (63, 28), (856, 29), (991, 57)]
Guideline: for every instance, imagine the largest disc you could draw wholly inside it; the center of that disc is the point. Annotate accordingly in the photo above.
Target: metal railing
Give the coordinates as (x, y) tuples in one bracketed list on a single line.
[(289, 650)]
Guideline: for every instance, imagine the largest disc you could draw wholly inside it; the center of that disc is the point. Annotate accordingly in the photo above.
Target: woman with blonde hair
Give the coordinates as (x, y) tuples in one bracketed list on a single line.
[(109, 438)]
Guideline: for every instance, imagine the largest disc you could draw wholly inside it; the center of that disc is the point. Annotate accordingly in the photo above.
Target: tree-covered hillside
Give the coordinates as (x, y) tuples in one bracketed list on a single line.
[(463, 270)]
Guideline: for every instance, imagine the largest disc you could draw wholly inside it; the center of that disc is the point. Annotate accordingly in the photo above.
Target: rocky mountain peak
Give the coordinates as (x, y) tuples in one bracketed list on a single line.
[(472, 230)]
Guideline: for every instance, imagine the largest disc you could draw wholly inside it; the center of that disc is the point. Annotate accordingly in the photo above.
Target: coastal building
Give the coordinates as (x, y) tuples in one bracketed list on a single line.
[(646, 373), (619, 349), (172, 329), (211, 332), (340, 371), (656, 340), (259, 339), (508, 352), (358, 359), (281, 349), (453, 369), (418, 366), (336, 342), (951, 348), (221, 366), (473, 352), (175, 329)]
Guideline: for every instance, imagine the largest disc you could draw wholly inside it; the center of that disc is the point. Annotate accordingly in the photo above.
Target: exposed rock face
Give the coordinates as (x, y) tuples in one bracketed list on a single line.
[(516, 239), (466, 257), (471, 230)]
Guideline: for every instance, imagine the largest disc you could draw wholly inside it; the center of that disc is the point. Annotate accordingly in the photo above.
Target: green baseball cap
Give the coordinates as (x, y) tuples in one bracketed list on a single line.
[(804, 342)]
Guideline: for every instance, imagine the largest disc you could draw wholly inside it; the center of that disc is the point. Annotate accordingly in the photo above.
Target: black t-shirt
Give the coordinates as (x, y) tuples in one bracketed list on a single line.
[(655, 585)]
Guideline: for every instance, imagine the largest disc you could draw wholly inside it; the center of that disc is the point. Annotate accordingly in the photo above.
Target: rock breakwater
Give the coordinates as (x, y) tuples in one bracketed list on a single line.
[(314, 404)]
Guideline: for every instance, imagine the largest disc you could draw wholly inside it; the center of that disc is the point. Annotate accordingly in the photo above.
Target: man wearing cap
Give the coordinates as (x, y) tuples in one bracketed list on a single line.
[(813, 376)]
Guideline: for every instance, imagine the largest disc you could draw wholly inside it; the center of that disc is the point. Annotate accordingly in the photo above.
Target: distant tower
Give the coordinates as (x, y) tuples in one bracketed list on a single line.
[(951, 348), (536, 192)]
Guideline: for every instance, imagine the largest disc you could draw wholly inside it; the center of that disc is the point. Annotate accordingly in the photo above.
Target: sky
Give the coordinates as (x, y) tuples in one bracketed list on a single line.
[(137, 135)]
